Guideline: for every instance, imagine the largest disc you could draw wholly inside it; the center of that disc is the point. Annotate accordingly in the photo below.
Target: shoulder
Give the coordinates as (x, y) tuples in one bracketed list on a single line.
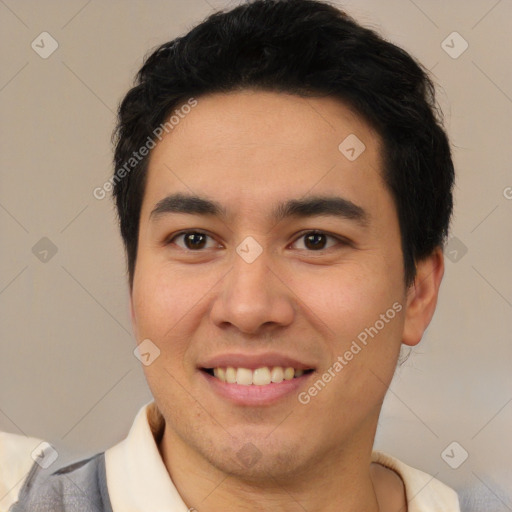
[(424, 493), (16, 459), (77, 487)]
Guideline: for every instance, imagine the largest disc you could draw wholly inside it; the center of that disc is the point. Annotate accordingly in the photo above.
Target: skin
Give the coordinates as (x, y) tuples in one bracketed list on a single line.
[(250, 150)]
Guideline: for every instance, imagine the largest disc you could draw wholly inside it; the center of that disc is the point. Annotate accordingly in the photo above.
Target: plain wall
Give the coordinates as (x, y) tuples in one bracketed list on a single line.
[(67, 370)]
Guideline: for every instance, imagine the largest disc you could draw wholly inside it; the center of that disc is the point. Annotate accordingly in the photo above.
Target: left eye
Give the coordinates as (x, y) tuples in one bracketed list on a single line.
[(316, 240), (196, 240)]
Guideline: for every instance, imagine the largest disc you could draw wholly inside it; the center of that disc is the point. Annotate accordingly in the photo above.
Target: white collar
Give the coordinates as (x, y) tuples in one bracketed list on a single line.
[(138, 481), (423, 492)]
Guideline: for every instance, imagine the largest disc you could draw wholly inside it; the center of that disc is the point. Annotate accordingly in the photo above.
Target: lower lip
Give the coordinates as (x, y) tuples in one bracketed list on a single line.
[(256, 395)]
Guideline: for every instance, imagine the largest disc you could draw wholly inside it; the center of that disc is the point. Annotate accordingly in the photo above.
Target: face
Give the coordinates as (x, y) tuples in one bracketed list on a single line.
[(291, 258)]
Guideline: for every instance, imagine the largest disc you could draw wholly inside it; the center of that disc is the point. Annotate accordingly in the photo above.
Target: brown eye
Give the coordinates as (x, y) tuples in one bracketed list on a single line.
[(317, 240), (192, 240)]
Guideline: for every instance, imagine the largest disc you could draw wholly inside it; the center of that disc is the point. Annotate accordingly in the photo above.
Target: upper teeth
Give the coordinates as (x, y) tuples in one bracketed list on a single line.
[(259, 377)]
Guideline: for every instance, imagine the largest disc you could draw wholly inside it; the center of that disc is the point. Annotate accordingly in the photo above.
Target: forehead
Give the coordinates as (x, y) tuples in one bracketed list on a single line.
[(245, 147)]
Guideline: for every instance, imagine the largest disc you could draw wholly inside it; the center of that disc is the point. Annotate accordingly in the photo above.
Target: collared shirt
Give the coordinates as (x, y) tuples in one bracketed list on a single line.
[(138, 481), (15, 463)]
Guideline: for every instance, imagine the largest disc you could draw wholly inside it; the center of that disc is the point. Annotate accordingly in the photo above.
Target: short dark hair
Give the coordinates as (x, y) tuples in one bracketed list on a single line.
[(311, 49)]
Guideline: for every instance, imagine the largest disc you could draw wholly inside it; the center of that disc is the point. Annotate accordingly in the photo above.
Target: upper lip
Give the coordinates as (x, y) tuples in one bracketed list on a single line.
[(253, 361)]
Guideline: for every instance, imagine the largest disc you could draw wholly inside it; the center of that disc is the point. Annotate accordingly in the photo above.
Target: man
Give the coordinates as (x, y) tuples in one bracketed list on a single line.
[(283, 189)]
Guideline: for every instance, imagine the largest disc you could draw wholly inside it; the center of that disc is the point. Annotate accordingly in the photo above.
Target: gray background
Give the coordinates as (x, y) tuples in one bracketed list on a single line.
[(67, 370)]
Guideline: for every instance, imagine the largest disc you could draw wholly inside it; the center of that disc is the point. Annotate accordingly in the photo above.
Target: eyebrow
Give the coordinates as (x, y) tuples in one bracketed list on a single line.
[(299, 208)]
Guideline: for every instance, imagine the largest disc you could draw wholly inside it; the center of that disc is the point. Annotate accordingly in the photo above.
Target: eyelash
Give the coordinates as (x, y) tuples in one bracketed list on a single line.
[(341, 241)]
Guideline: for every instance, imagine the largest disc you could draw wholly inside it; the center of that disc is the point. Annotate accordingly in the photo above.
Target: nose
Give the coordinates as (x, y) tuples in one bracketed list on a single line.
[(253, 297)]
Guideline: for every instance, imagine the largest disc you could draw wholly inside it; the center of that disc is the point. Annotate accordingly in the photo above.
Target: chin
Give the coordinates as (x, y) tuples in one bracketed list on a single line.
[(255, 458), (269, 466)]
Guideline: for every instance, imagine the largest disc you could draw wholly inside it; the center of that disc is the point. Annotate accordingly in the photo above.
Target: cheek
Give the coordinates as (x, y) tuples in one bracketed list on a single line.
[(158, 308), (167, 299), (361, 310), (348, 298), (364, 316)]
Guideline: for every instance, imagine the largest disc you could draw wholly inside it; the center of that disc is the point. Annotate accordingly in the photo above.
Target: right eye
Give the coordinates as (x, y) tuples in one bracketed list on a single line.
[(192, 240)]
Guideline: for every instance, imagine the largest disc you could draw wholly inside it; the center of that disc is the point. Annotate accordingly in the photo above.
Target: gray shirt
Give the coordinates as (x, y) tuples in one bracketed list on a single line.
[(79, 487)]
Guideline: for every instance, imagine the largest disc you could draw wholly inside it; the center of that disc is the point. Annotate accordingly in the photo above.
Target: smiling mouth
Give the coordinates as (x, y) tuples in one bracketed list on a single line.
[(258, 377)]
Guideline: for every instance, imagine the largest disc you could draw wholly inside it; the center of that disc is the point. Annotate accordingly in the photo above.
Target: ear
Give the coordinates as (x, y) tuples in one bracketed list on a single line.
[(422, 297)]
